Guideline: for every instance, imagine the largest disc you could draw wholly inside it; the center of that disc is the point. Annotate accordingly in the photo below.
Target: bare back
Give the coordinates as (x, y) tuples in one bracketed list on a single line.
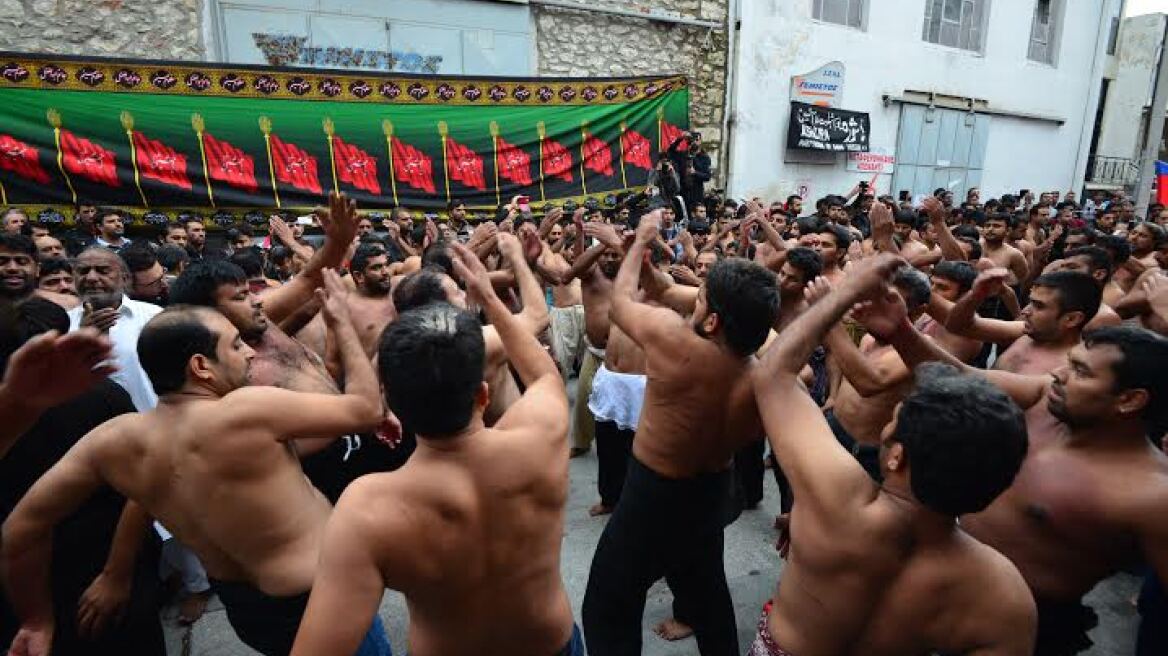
[(871, 586), (207, 478), (485, 522), (699, 406)]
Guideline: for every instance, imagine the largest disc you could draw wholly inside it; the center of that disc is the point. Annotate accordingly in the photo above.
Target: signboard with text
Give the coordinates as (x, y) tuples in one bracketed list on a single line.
[(875, 161), (823, 128), (823, 86)]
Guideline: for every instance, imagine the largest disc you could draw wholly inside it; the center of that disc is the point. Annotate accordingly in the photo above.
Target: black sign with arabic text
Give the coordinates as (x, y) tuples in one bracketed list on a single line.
[(823, 128)]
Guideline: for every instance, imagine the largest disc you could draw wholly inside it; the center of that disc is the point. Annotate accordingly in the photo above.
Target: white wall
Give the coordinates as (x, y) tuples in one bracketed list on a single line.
[(779, 40), (1137, 55)]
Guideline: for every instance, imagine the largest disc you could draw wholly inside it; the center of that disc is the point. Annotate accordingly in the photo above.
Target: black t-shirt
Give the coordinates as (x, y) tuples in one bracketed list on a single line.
[(81, 542)]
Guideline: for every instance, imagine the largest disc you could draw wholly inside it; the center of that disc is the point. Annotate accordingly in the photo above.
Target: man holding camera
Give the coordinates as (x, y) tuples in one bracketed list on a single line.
[(692, 166)]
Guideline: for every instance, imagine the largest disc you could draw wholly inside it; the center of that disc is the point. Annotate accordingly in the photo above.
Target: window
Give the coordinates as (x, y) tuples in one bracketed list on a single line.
[(956, 23), (1044, 31), (1113, 36), (842, 12)]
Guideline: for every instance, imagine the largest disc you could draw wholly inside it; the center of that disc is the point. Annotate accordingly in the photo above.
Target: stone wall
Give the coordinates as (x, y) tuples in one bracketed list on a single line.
[(581, 43), (158, 29)]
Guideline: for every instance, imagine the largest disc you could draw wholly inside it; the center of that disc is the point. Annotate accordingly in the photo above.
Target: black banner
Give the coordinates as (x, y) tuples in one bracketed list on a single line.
[(823, 128)]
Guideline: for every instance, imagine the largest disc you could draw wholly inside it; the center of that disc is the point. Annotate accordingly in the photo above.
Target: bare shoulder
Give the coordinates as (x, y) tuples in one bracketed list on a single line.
[(374, 507)]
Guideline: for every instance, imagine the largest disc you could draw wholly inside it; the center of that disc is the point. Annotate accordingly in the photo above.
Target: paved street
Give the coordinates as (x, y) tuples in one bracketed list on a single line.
[(752, 568)]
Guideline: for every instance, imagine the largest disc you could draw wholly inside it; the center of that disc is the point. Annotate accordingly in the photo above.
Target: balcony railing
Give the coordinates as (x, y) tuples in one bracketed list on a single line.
[(1119, 171)]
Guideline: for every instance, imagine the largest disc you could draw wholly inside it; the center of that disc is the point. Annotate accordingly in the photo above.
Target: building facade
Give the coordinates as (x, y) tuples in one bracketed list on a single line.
[(959, 93)]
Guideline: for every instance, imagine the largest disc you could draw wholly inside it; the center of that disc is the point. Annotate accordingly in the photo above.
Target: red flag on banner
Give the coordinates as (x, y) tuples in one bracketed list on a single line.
[(557, 161), (84, 158), (636, 149), (294, 166), (160, 162), (356, 167), (514, 163), (669, 134), (465, 165), (412, 166), (597, 155), (229, 164), (21, 159)]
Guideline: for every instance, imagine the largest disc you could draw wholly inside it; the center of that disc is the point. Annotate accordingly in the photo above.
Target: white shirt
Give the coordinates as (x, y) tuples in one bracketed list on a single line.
[(132, 317)]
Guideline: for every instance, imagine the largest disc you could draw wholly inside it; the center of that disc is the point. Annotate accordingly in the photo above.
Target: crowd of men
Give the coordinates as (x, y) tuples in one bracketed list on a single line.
[(962, 404)]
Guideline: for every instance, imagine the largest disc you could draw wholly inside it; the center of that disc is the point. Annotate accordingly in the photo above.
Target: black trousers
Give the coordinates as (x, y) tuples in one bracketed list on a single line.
[(749, 470), (663, 528), (614, 447), (266, 624)]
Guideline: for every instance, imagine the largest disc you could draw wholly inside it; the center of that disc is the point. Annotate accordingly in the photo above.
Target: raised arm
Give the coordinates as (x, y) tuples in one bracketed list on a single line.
[(642, 322), (46, 371), (534, 316), (314, 420), (283, 234), (340, 228), (867, 377), (821, 472), (963, 319), (945, 239), (887, 318), (543, 408)]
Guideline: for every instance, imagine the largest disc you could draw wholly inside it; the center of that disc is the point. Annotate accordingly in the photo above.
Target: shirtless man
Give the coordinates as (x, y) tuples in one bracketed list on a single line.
[(595, 268), (432, 285), (949, 281), (1061, 304), (699, 410), (1091, 496), (1003, 255), (874, 379), (888, 563), (1095, 262), (213, 461), (469, 530), (371, 307), (566, 316), (832, 245), (1145, 238)]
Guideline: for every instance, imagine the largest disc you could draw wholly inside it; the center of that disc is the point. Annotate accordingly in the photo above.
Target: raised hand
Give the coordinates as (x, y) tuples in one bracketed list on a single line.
[(883, 314), (472, 273), (510, 247), (333, 299), (684, 275), (935, 209), (649, 227), (990, 283), (51, 369), (881, 219), (279, 230), (481, 234), (604, 233), (817, 289), (532, 245), (870, 276), (339, 221)]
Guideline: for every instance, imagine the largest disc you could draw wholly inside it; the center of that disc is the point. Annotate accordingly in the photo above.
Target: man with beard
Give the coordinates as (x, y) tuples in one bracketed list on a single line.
[(18, 267), (111, 230), (216, 459), (102, 281), (1092, 494), (699, 410), (885, 569), (147, 277), (1061, 304), (832, 244), (371, 307), (197, 246), (81, 235)]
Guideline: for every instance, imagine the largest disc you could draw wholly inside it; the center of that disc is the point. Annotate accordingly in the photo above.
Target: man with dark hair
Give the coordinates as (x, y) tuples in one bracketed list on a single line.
[(240, 238), (175, 234), (174, 259), (458, 222), (1105, 221), (1061, 305), (111, 229), (699, 410), (81, 235), (952, 446), (1088, 418), (478, 556), (949, 281), (213, 443), (994, 247), (832, 245), (794, 206), (104, 588), (1095, 262), (371, 307), (18, 267), (147, 277), (197, 246), (56, 276)]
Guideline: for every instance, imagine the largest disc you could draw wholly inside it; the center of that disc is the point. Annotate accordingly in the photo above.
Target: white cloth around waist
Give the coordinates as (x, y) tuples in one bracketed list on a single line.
[(617, 397)]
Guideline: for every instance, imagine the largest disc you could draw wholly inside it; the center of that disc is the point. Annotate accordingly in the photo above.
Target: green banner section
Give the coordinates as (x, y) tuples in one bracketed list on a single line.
[(163, 137)]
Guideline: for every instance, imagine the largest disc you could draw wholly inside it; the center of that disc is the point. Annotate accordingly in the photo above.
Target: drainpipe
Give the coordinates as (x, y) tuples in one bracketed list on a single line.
[(730, 102)]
